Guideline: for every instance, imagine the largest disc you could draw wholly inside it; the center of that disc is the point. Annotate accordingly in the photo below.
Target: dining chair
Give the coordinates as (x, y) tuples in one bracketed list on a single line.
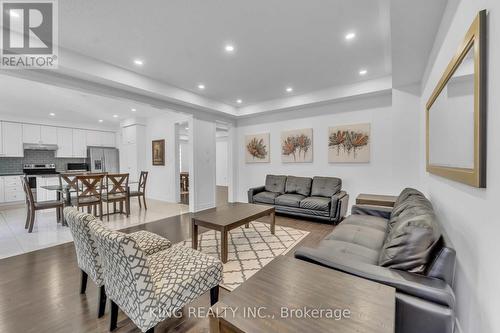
[(88, 258), (89, 192), (33, 206), (116, 192), (141, 189), (68, 180), (151, 288)]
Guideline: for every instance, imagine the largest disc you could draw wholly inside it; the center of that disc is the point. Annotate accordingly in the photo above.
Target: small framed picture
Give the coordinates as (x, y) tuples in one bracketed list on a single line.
[(158, 147)]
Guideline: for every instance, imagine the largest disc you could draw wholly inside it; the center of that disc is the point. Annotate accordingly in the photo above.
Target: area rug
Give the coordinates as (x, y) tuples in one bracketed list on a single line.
[(249, 249)]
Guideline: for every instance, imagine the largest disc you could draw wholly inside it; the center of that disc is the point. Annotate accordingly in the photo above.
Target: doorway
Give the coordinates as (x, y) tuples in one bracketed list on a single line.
[(222, 158), (183, 159)]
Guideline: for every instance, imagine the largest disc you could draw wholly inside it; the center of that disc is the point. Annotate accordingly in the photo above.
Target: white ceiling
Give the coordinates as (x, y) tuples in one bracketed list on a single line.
[(34, 100), (278, 43)]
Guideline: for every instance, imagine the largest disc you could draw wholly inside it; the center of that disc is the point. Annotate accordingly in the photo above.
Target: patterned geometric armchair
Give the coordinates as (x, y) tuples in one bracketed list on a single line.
[(88, 257), (151, 288)]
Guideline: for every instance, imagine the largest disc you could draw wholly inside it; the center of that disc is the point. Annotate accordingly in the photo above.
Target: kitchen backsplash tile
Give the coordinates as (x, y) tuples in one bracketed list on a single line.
[(15, 164)]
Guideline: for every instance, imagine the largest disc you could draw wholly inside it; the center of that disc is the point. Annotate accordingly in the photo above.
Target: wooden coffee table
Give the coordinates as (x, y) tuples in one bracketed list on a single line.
[(276, 298), (228, 217)]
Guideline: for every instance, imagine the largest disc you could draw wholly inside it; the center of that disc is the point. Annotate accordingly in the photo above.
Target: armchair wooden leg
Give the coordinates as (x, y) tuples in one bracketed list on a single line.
[(83, 284), (139, 198), (102, 302), (151, 330), (214, 295), (114, 316)]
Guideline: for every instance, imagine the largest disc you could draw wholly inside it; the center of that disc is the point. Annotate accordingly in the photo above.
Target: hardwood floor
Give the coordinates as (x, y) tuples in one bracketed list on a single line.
[(39, 291)]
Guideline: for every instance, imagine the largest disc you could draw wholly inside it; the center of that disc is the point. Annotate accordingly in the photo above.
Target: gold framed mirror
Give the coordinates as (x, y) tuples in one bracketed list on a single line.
[(456, 113)]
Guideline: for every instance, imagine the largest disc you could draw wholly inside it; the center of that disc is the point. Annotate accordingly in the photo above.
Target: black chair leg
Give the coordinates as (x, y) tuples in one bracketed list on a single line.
[(83, 285), (114, 316), (151, 330), (214, 295), (102, 302)]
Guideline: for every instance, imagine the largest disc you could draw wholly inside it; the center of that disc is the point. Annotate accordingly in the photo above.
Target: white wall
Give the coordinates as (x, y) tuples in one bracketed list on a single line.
[(394, 144), (221, 161), (470, 215), (161, 179), (202, 176)]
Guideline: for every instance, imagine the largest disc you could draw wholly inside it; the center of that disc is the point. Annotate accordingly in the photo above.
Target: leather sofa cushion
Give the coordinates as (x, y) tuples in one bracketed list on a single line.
[(300, 185), (409, 243), (370, 221), (275, 183), (348, 251), (265, 197), (325, 186), (316, 203), (365, 236), (292, 200)]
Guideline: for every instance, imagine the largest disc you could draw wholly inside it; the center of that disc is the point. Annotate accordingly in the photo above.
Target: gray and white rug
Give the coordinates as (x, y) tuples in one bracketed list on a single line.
[(249, 249)]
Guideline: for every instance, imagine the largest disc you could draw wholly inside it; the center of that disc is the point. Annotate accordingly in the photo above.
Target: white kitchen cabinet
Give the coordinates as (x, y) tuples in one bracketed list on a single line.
[(129, 135), (64, 142), (2, 190), (100, 139), (94, 138), (128, 163), (12, 189), (39, 134), (48, 135), (1, 138), (31, 133), (108, 139), (79, 143), (43, 194), (12, 135)]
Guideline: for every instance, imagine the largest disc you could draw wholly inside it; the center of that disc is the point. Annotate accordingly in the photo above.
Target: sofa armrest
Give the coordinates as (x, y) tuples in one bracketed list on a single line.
[(380, 211), (253, 191), (150, 242), (430, 289), (338, 207)]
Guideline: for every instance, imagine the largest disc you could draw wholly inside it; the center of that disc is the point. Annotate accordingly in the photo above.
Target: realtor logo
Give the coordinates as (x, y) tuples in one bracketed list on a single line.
[(29, 34)]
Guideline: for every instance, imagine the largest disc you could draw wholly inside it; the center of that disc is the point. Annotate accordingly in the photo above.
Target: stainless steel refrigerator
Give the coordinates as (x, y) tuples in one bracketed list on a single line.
[(103, 159)]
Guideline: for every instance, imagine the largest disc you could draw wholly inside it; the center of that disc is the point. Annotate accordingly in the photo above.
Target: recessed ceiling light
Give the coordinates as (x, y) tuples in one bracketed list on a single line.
[(100, 120), (201, 86), (133, 110), (115, 116), (239, 101), (13, 13), (52, 114), (138, 62), (363, 72), (229, 48), (350, 35), (289, 89)]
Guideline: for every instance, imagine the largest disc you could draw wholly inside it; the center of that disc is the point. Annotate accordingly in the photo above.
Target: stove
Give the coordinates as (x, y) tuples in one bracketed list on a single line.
[(39, 169)]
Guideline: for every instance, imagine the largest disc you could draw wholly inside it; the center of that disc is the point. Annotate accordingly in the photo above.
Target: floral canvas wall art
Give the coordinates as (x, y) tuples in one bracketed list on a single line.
[(349, 144), (257, 148), (297, 146)]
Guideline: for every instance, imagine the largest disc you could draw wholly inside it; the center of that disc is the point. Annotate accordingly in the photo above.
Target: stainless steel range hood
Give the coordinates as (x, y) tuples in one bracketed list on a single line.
[(39, 146)]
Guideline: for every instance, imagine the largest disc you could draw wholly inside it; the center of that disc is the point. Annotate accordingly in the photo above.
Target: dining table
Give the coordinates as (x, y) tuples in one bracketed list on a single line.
[(66, 190)]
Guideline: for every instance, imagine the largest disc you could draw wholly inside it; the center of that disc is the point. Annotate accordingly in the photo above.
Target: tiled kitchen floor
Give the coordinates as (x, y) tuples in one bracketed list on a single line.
[(14, 239)]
